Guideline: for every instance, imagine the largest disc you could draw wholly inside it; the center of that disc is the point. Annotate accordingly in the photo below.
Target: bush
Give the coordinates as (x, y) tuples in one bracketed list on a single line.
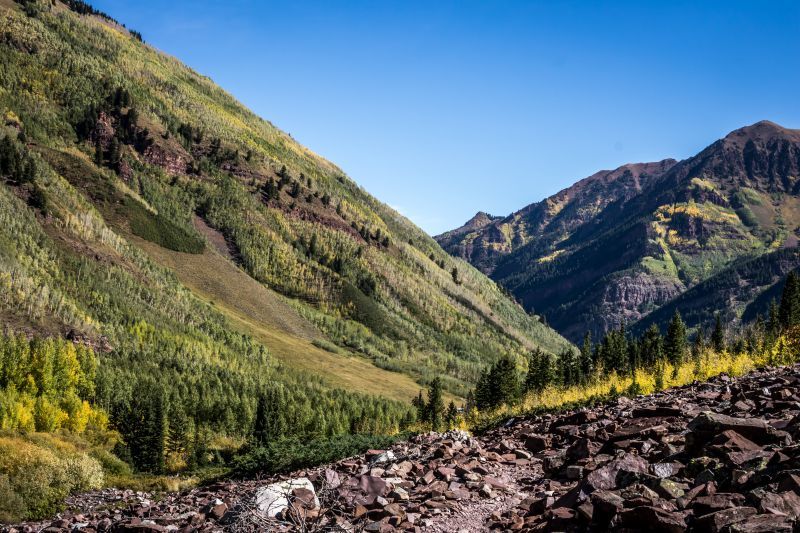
[(10, 501), (292, 454), (83, 472), (111, 464), (34, 481), (327, 346)]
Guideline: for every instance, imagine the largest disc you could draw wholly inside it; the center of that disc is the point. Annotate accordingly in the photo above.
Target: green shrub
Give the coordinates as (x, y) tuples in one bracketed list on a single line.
[(34, 481), (111, 464), (160, 230), (11, 503), (291, 454), (84, 472), (327, 346), (747, 217)]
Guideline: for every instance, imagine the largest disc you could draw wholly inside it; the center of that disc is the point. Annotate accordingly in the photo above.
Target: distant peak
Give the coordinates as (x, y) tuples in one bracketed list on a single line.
[(762, 130), (480, 220)]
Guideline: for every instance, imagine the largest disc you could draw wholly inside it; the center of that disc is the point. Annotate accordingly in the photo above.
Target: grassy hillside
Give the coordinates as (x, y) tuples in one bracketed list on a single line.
[(226, 277), (175, 143)]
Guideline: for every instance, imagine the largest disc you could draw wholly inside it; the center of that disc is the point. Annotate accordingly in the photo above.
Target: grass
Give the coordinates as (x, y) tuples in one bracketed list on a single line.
[(255, 310)]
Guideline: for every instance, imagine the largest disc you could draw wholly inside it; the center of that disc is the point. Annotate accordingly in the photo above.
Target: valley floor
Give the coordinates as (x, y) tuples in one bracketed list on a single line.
[(714, 456)]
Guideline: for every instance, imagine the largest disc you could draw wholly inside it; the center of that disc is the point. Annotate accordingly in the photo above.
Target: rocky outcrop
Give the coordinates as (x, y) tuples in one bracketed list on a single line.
[(715, 456), (103, 131), (172, 163), (629, 297)]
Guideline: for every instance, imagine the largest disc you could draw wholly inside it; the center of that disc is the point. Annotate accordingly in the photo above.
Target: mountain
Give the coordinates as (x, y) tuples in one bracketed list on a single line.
[(485, 240), (207, 259), (652, 239)]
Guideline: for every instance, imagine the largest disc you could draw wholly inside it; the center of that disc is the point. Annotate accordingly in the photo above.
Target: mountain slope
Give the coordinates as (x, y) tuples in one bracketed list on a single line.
[(485, 240), (736, 199), (134, 143)]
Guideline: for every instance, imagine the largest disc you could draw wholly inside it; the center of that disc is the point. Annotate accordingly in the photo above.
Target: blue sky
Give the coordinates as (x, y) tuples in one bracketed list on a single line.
[(441, 109)]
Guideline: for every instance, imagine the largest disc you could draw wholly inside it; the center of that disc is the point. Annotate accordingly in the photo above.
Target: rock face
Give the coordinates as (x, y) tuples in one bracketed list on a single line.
[(174, 163), (717, 456)]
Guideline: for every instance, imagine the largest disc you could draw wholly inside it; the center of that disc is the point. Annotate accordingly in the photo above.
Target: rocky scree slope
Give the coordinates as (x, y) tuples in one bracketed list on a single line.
[(714, 456), (657, 239)]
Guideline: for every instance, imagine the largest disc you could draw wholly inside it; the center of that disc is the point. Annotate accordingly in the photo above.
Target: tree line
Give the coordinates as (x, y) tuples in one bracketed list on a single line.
[(622, 353)]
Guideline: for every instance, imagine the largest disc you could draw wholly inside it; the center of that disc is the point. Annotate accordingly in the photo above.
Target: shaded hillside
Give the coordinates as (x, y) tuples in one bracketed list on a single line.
[(740, 292), (736, 199)]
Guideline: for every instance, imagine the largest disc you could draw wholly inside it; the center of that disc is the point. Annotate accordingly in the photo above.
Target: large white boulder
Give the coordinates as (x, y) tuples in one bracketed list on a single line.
[(274, 499)]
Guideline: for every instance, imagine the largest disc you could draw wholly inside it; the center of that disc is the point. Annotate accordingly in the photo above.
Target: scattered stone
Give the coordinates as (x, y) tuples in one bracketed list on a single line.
[(714, 456), (274, 499)]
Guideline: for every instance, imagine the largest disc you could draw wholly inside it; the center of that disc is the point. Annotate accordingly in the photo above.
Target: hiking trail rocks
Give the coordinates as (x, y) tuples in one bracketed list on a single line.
[(718, 456)]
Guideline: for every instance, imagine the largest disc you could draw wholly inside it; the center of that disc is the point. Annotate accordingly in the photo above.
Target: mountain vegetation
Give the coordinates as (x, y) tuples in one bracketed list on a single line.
[(704, 235), (147, 220), (622, 363)]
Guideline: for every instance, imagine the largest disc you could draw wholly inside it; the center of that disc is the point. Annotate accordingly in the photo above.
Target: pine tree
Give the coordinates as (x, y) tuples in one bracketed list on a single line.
[(652, 346), (469, 404), (483, 393), (271, 191), (569, 364), (435, 405), (505, 381), (422, 410), (587, 364), (698, 345), (774, 322), (270, 421), (451, 416), (114, 153), (718, 335), (533, 379), (789, 311), (98, 153), (659, 376), (178, 432), (540, 371), (675, 342), (613, 351)]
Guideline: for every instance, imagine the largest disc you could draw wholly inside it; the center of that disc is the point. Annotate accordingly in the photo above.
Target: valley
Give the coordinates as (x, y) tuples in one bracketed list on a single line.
[(207, 326)]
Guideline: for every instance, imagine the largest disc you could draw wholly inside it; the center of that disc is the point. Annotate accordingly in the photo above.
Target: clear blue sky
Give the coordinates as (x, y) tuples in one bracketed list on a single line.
[(441, 109)]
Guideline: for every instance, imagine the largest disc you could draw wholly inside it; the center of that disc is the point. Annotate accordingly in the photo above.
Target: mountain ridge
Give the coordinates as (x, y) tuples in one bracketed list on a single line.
[(734, 199)]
